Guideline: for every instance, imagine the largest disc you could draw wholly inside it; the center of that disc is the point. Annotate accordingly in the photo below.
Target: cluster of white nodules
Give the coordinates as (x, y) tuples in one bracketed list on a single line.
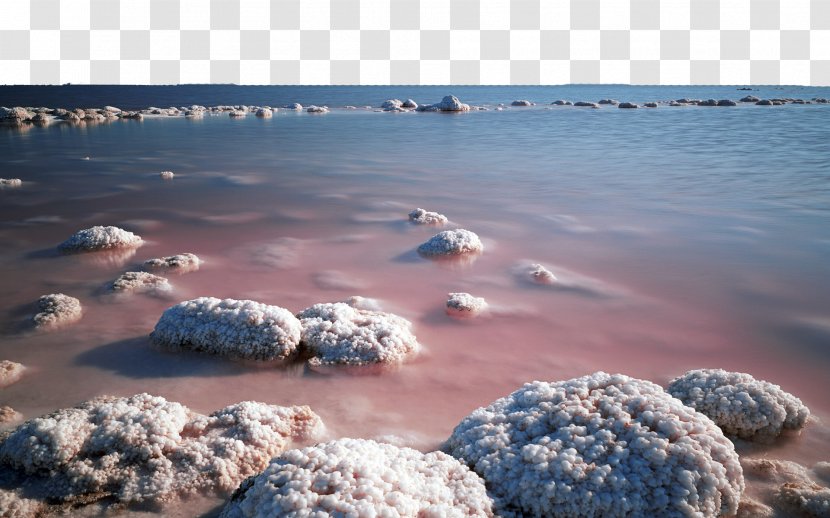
[(465, 305), (741, 405), (145, 448), (792, 490), (57, 309), (452, 242), (13, 504), (10, 372), (540, 275), (100, 238), (237, 328), (179, 263), (140, 282), (340, 334), (420, 216), (358, 477), (10, 182), (167, 175), (600, 445)]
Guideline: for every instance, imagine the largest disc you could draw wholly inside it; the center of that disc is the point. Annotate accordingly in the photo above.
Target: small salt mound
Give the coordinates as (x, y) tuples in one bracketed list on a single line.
[(420, 216), (294, 106), (57, 309), (741, 405), (540, 275), (409, 103), (100, 238), (521, 102), (600, 445), (180, 263), (8, 415), (10, 372), (451, 242), (358, 302), (391, 104), (10, 182), (317, 109), (236, 328), (804, 499), (262, 112), (237, 113), (167, 175), (339, 334), (144, 448), (465, 305), (140, 282), (358, 477)]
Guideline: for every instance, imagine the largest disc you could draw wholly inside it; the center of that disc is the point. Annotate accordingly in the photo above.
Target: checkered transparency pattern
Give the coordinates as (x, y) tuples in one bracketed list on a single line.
[(415, 41)]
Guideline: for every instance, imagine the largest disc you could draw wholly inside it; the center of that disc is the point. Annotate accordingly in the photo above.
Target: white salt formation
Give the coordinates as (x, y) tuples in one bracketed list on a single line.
[(409, 103), (140, 282), (358, 302), (167, 175), (804, 499), (180, 263), (339, 334), (420, 216), (317, 109), (236, 328), (8, 415), (741, 405), (294, 106), (100, 238), (13, 505), (600, 445), (263, 112), (540, 275), (521, 102), (789, 489), (144, 448), (465, 305), (452, 242), (358, 477), (449, 103), (10, 372), (56, 310), (391, 105), (10, 182)]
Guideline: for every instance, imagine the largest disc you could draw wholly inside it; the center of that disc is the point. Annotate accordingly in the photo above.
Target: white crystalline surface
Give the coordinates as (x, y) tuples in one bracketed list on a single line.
[(100, 238), (339, 334), (167, 175), (180, 263), (57, 309), (424, 217), (236, 328), (452, 242), (602, 446), (13, 505), (464, 304), (140, 282), (10, 182), (10, 372), (145, 448), (741, 405), (358, 477)]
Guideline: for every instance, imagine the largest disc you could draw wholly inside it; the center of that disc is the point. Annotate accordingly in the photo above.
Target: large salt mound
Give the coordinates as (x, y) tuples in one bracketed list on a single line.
[(10, 372), (340, 334), (57, 309), (600, 445), (237, 328), (144, 448), (449, 103), (100, 238), (451, 242), (180, 263), (741, 405), (140, 282), (420, 216), (357, 477)]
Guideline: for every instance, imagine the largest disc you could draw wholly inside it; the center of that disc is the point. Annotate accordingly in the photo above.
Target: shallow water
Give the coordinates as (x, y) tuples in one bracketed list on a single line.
[(692, 237)]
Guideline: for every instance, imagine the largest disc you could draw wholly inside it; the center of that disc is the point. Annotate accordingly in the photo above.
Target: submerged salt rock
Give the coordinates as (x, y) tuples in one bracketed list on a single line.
[(10, 182), (522, 102), (179, 263), (465, 305), (57, 309), (140, 282), (423, 217), (452, 242), (340, 334), (237, 328), (599, 445), (317, 109), (167, 175), (294, 106), (262, 112), (359, 477), (100, 238), (145, 448), (8, 415), (10, 372), (449, 103), (741, 405), (367, 303), (538, 274)]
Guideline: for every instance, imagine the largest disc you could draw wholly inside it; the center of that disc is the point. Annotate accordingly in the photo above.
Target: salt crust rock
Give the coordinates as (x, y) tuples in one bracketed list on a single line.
[(262, 112), (57, 309), (540, 275), (10, 372), (8, 415), (449, 103), (391, 104), (409, 103), (521, 102), (562, 102), (358, 477), (797, 494), (586, 104), (423, 217), (741, 405), (294, 106), (452, 242), (339, 334), (238, 113), (317, 109), (237, 328), (167, 175), (179, 263), (140, 282), (144, 448), (465, 305), (804, 499), (628, 105), (599, 445), (13, 505), (10, 182), (100, 238)]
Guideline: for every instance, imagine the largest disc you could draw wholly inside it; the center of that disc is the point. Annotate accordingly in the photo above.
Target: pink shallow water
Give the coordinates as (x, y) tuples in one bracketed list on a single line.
[(655, 292)]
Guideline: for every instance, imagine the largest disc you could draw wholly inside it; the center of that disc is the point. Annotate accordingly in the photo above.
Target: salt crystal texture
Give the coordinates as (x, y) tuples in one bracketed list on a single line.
[(100, 238), (423, 217), (451, 242), (140, 282), (180, 263), (465, 305), (56, 310)]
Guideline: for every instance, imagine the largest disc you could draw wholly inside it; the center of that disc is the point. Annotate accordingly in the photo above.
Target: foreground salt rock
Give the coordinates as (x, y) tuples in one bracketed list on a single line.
[(56, 310), (179, 263), (140, 282), (420, 216), (10, 372), (599, 445), (741, 405), (10, 182), (339, 334), (147, 449), (100, 238), (449, 103), (358, 477), (464, 305), (242, 329), (452, 242)]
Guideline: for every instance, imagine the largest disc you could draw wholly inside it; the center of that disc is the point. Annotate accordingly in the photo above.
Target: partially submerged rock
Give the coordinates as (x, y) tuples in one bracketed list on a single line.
[(294, 106), (409, 103), (449, 103), (562, 102), (100, 238), (452, 242), (628, 105), (750, 99), (10, 182), (465, 305), (167, 175), (608, 101), (391, 104), (263, 112), (788, 487), (538, 274), (56, 310), (179, 263), (423, 217), (10, 372), (317, 109), (522, 102), (586, 104), (140, 282)]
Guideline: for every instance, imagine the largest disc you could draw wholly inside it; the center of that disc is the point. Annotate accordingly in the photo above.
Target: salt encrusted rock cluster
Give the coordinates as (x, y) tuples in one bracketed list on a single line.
[(10, 372), (452, 242), (465, 305), (741, 405), (57, 309), (340, 334), (100, 238), (140, 282), (10, 182), (237, 328), (179, 263), (356, 477), (144, 448), (599, 445), (167, 175), (420, 216), (449, 103)]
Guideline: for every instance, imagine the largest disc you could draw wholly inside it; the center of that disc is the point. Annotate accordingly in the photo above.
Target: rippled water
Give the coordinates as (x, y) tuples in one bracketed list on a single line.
[(703, 233)]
